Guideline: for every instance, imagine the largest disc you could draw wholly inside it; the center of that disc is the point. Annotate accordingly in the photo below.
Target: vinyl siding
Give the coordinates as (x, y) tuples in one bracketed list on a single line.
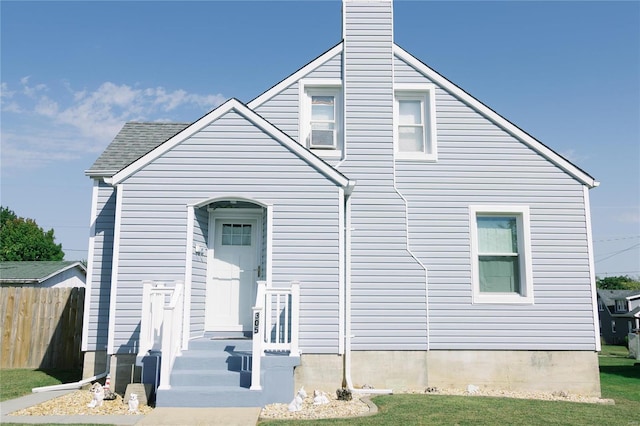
[(282, 110), (100, 292), (199, 272), (232, 157), (479, 163), (388, 285)]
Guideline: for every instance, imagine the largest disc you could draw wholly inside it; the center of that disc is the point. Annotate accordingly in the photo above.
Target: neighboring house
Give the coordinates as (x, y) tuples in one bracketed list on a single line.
[(43, 274), (619, 312), (432, 241)]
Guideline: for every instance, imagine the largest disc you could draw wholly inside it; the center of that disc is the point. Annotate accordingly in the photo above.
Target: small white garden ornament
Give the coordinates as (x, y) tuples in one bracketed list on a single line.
[(97, 392), (133, 402), (320, 397), (296, 404)]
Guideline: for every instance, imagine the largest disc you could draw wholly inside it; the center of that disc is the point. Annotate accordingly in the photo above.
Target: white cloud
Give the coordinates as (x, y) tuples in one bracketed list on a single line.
[(40, 126), (629, 217)]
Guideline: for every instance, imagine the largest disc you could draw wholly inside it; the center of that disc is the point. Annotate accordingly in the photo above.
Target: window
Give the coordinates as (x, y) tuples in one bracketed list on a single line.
[(415, 124), (600, 305), (613, 326), (323, 122), (320, 123), (236, 235), (620, 306), (501, 254)]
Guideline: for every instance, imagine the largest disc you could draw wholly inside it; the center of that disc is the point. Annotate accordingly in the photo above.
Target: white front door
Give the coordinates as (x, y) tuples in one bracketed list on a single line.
[(232, 275)]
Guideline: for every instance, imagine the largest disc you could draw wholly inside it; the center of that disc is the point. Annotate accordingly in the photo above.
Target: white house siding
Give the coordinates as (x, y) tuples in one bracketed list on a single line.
[(388, 309), (199, 271), (479, 163), (282, 109), (232, 157), (73, 277), (100, 291)]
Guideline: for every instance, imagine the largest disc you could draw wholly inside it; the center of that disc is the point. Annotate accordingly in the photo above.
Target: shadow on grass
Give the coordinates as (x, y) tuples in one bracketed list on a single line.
[(64, 376), (629, 371)]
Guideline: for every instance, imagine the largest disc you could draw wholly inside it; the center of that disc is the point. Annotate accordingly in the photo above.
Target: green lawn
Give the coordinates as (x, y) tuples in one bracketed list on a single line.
[(18, 382)]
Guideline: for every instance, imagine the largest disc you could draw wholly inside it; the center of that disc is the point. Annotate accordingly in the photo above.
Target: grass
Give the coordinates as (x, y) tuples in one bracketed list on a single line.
[(619, 380), (19, 381)]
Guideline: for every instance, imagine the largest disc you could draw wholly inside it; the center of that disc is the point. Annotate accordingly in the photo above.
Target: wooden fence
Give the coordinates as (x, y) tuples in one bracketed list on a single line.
[(41, 327)]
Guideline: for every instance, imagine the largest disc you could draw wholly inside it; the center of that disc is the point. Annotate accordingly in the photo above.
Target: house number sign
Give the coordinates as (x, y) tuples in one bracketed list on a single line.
[(256, 322)]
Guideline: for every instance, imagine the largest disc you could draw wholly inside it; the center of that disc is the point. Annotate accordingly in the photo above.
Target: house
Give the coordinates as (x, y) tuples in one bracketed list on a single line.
[(365, 216), (43, 274), (619, 313)]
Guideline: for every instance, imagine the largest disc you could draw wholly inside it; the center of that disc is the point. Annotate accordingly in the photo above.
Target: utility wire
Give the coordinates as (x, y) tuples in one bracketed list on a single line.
[(618, 252)]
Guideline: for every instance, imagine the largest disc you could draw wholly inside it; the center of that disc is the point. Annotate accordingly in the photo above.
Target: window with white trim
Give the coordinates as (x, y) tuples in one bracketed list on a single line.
[(501, 254), (415, 122), (320, 122), (600, 305), (613, 326), (620, 306)]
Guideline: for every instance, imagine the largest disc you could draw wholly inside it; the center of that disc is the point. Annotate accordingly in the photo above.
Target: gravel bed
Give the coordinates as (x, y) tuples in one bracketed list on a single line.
[(334, 409), (545, 396), (75, 403)]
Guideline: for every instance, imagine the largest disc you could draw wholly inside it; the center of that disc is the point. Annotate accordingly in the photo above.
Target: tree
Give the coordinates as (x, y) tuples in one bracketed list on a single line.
[(23, 239), (622, 282)]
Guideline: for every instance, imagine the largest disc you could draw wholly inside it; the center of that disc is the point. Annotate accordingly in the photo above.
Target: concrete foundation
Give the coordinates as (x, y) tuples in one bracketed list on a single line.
[(575, 372), (318, 371), (95, 362), (123, 371), (121, 368)]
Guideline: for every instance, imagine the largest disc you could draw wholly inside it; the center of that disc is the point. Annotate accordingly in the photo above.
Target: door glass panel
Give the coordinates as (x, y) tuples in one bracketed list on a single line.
[(236, 234)]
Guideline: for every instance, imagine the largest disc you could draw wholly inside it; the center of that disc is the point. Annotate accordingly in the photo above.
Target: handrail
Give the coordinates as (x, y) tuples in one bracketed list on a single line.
[(171, 334), (276, 318), (258, 335), (161, 325)]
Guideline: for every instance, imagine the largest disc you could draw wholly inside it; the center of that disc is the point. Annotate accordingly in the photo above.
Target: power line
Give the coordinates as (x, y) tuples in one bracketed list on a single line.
[(617, 239), (618, 252)]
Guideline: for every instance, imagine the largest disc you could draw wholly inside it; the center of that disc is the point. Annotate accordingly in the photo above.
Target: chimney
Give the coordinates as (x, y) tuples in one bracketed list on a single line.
[(368, 87)]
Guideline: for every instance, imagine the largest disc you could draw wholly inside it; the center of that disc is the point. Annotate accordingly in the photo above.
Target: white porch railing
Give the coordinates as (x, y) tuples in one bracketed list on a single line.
[(276, 318), (161, 325)]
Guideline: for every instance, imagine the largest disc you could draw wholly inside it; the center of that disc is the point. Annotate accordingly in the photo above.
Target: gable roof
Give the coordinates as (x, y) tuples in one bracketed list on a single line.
[(251, 116), (132, 142), (35, 272), (446, 84), (496, 118), (610, 296)]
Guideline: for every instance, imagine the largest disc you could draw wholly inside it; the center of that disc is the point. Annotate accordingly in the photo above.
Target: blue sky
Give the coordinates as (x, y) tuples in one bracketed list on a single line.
[(72, 73)]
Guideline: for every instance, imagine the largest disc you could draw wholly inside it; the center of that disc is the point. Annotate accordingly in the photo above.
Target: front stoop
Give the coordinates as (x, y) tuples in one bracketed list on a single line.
[(215, 373)]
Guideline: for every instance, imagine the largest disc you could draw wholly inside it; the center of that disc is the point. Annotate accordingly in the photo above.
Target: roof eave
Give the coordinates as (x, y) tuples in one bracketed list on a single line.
[(570, 168)]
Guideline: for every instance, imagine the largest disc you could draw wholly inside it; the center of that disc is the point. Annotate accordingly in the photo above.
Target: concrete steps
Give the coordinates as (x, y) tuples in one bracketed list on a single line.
[(216, 372)]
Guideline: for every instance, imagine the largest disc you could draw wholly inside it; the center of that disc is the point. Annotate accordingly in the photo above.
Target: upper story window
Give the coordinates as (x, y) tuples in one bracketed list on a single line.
[(322, 132), (415, 122), (620, 306), (320, 122), (501, 254), (600, 305)]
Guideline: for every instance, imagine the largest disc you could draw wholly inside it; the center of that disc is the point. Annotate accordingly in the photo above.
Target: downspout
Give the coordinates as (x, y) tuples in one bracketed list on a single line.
[(74, 385), (346, 361)]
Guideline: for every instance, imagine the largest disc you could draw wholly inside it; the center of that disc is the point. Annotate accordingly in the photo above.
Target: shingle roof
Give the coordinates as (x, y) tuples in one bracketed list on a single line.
[(610, 296), (33, 272), (132, 142)]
